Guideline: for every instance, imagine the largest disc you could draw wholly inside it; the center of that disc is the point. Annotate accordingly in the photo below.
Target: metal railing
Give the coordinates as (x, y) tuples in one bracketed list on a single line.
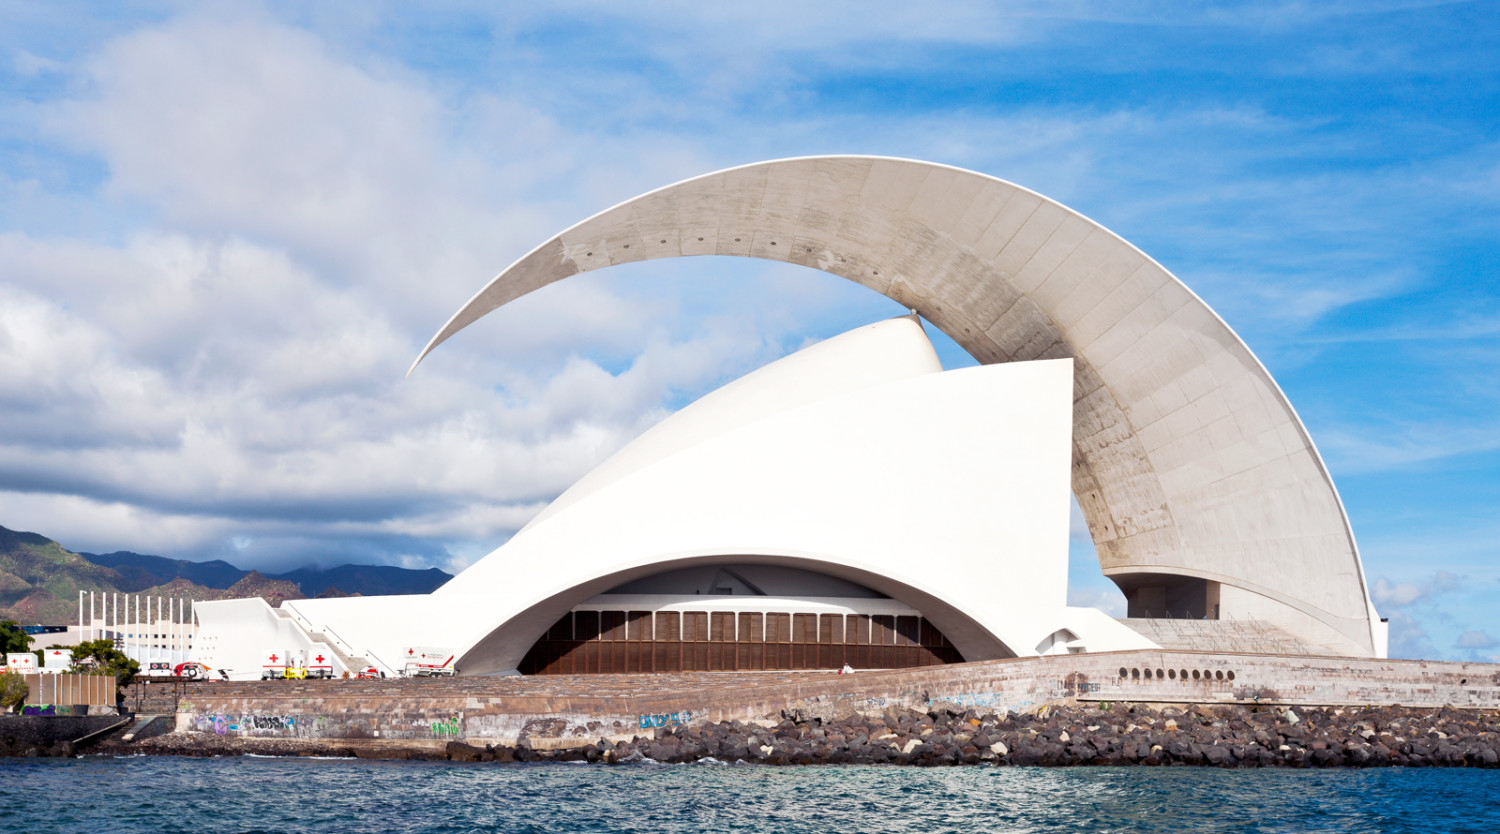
[(389, 670), (339, 643), (294, 616)]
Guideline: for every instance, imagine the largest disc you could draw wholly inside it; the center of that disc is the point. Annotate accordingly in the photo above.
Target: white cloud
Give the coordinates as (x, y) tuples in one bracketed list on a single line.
[(29, 65), (1477, 639), (1078, 526), (1388, 594), (1355, 449), (1408, 637), (1111, 602), (251, 226)]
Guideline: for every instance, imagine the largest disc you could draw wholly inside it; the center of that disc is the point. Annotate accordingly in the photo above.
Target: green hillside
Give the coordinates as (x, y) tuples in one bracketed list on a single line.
[(40, 581)]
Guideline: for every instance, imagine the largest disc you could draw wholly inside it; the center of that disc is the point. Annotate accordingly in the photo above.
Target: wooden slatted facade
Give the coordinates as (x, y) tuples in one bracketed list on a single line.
[(613, 642)]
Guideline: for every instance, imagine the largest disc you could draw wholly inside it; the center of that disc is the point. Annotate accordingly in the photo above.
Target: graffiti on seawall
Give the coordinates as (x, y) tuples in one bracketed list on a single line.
[(663, 719), (225, 723), (318, 726)]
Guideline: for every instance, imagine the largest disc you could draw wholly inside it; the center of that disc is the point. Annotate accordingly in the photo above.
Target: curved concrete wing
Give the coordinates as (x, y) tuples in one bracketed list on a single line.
[(1188, 461)]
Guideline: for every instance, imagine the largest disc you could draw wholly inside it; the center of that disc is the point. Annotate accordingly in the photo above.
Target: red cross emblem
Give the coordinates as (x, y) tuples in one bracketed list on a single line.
[(273, 658), (320, 658)]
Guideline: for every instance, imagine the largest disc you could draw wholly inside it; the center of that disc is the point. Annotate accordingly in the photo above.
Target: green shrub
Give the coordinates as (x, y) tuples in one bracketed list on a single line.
[(12, 639), (100, 657), (12, 691)]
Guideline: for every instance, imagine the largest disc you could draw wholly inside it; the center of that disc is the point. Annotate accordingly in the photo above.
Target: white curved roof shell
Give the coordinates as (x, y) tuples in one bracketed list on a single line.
[(1187, 459), (857, 457)]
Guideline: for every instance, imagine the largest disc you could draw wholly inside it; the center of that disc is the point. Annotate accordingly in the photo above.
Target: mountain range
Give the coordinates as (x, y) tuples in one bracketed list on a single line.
[(40, 579)]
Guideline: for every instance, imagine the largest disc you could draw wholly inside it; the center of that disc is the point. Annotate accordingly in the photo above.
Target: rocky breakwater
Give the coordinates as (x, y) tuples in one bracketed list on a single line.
[(1229, 736), (1099, 735)]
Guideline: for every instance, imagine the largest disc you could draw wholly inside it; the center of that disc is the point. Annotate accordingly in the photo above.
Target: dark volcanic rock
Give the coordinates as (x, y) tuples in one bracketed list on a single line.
[(1226, 737), (457, 751)]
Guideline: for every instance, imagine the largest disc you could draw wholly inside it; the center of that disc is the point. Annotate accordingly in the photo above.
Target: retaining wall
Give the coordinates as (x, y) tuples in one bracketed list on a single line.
[(17, 733), (565, 711)]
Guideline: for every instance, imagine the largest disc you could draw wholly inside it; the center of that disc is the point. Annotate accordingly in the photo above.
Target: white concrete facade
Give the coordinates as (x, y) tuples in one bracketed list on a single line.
[(841, 459), (945, 492), (1193, 471), (858, 457)]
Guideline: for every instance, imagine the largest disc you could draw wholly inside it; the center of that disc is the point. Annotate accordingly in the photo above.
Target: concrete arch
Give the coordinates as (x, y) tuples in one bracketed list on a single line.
[(502, 644), (1188, 460)]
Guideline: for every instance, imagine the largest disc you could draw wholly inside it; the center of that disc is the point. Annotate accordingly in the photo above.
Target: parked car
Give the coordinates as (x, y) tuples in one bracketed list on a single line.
[(369, 673), (193, 670)]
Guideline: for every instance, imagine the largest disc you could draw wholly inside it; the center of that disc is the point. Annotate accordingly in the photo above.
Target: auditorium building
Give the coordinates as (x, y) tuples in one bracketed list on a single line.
[(856, 504)]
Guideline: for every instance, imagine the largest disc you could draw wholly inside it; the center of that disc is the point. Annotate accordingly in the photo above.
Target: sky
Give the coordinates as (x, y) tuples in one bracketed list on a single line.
[(226, 230)]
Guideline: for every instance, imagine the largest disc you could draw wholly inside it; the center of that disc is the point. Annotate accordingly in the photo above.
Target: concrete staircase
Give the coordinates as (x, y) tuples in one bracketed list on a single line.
[(351, 662), (1246, 636), (137, 730)]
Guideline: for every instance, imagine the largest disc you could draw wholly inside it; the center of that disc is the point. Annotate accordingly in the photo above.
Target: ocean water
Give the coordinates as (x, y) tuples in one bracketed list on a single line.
[(162, 794)]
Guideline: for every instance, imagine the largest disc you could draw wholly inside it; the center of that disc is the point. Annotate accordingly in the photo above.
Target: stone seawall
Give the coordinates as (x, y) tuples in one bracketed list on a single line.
[(49, 735), (561, 712)]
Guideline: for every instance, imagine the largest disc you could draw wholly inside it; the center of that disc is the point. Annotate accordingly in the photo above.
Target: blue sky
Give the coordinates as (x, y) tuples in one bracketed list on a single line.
[(227, 228)]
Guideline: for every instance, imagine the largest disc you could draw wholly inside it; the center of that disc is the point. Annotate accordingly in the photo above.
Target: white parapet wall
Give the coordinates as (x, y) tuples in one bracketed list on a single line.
[(234, 634)]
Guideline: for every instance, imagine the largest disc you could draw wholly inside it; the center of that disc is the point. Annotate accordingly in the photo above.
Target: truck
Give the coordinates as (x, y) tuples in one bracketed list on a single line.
[(274, 663), (194, 671), (57, 661), (426, 661), (21, 662), (320, 662)]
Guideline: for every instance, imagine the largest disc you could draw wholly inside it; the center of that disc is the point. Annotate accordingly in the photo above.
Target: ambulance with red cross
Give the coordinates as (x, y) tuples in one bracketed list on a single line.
[(275, 665), (425, 661), (320, 662)]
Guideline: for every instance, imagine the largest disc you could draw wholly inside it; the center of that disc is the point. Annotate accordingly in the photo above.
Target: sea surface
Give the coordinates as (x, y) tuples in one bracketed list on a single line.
[(163, 794)]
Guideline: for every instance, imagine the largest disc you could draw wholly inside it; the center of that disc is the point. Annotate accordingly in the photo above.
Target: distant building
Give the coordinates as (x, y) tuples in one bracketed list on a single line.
[(854, 503)]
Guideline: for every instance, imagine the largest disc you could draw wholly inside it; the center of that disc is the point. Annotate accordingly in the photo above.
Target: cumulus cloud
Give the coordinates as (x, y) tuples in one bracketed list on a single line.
[(1078, 527), (1478, 639), (1110, 601), (1408, 637), (228, 381), (1426, 613), (1388, 594), (240, 226)]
